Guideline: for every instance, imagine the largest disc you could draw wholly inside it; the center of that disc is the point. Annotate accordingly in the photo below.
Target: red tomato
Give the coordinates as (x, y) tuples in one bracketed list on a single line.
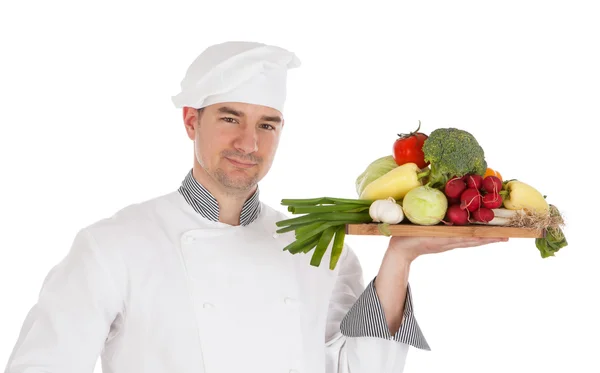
[(409, 148)]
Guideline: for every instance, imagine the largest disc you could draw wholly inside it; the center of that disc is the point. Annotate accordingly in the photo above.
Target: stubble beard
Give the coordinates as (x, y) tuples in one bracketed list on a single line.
[(240, 184), (232, 185)]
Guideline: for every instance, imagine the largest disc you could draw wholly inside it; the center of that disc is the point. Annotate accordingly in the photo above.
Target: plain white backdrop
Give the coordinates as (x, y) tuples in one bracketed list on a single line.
[(87, 127)]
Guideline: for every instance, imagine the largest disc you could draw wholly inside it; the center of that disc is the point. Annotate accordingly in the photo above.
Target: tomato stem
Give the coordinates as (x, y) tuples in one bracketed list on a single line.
[(405, 135)]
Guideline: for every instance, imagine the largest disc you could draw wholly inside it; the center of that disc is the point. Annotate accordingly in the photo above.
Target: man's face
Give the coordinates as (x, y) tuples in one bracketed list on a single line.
[(235, 143)]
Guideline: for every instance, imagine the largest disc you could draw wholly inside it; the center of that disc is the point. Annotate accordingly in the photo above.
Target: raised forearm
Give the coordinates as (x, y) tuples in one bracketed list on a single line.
[(391, 286)]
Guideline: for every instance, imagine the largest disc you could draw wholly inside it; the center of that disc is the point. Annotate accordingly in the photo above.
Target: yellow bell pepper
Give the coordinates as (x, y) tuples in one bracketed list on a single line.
[(520, 195), (395, 183)]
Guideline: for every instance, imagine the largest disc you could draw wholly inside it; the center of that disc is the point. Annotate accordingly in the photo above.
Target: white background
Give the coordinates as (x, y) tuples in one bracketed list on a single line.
[(87, 127)]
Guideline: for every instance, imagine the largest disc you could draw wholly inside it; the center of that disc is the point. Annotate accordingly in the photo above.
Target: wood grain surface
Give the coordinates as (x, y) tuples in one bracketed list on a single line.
[(473, 230)]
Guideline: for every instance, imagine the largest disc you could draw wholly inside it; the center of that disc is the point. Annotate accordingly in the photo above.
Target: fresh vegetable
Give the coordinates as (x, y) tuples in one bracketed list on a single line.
[(452, 153), (483, 214), (501, 217), (491, 200), (424, 205), (396, 183), (374, 170), (386, 211), (492, 184), (324, 219), (455, 187), (519, 195), (427, 180), (555, 238), (408, 148), (456, 215), (492, 172), (551, 222), (470, 199), (473, 181), (453, 201)]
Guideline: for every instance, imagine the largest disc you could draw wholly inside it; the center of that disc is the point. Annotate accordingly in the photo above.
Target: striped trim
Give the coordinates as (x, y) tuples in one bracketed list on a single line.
[(204, 203), (367, 319)]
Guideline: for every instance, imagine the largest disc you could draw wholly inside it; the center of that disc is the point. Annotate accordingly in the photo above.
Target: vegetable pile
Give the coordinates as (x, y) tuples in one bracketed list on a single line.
[(438, 179)]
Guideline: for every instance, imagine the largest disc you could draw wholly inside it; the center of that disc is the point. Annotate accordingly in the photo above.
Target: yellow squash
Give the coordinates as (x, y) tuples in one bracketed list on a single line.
[(524, 196), (395, 183)]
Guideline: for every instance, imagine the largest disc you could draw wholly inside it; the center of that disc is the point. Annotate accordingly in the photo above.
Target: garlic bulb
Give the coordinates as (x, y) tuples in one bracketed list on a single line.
[(386, 211)]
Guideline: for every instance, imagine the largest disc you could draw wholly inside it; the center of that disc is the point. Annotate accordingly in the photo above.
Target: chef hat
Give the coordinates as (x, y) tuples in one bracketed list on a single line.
[(237, 71)]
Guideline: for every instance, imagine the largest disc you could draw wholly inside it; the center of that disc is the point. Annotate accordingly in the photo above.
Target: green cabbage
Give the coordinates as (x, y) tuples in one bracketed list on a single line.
[(425, 205), (374, 171)]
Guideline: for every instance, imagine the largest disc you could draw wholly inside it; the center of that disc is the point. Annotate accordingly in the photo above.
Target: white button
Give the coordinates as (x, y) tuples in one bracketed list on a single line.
[(288, 300), (208, 305), (189, 239)]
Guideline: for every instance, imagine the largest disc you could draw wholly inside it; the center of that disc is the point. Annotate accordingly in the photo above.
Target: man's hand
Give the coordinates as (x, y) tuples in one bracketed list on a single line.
[(409, 248), (392, 280)]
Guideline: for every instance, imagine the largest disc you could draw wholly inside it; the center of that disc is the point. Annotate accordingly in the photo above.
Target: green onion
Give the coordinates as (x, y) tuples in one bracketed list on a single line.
[(306, 228), (324, 200), (322, 246), (292, 227), (323, 219), (313, 242), (306, 246), (338, 245), (299, 243), (350, 217), (328, 208)]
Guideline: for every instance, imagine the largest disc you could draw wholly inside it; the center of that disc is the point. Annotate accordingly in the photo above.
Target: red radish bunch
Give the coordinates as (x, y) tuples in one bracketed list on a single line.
[(472, 198)]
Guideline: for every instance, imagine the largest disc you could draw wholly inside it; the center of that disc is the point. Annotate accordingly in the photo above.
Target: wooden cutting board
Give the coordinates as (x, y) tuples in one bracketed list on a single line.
[(473, 230)]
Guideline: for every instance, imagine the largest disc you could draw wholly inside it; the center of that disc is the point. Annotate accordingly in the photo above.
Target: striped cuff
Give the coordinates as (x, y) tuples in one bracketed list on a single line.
[(367, 319)]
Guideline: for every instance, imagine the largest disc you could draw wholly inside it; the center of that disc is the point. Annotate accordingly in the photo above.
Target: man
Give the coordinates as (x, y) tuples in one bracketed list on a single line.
[(196, 281)]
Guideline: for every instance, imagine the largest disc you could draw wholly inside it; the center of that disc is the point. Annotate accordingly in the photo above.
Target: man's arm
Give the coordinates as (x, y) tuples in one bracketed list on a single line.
[(359, 337), (391, 285), (65, 331)]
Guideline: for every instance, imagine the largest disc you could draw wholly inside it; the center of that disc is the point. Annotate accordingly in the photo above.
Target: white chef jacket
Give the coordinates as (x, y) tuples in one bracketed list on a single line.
[(159, 288)]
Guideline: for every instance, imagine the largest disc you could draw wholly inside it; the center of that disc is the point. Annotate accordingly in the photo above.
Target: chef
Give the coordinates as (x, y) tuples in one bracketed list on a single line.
[(195, 280)]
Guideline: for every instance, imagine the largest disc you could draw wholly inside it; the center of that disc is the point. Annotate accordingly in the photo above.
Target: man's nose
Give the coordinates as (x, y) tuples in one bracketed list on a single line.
[(247, 141)]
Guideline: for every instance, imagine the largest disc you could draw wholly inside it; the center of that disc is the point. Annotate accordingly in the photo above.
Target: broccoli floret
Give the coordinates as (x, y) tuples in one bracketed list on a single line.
[(452, 152)]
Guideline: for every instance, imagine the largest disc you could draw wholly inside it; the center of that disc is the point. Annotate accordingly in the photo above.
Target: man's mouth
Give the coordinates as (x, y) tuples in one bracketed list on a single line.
[(241, 164)]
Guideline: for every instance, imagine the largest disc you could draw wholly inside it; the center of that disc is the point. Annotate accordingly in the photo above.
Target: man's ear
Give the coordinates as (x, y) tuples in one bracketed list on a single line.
[(190, 118)]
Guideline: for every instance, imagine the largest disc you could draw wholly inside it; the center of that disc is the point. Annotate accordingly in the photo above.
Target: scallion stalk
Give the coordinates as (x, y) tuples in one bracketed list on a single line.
[(322, 246), (323, 200), (350, 217), (299, 243), (327, 208), (306, 228), (338, 245), (324, 219), (306, 246)]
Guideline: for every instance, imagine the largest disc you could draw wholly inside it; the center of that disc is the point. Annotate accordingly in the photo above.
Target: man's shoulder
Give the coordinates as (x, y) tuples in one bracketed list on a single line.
[(272, 212), (136, 215)]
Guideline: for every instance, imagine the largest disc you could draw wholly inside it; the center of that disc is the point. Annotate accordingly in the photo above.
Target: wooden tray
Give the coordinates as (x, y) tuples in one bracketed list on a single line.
[(474, 230)]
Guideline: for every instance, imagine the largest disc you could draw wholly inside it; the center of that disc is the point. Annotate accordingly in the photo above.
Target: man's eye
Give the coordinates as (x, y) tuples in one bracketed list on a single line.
[(270, 127), (228, 119)]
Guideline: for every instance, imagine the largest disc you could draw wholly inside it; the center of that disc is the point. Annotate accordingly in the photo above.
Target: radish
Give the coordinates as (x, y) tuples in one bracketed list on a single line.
[(483, 215), (470, 199), (454, 201), (473, 181), (491, 200), (492, 184), (457, 216), (454, 187)]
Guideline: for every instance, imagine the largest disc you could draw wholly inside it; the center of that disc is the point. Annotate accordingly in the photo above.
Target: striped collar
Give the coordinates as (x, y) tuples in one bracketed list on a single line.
[(204, 203)]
